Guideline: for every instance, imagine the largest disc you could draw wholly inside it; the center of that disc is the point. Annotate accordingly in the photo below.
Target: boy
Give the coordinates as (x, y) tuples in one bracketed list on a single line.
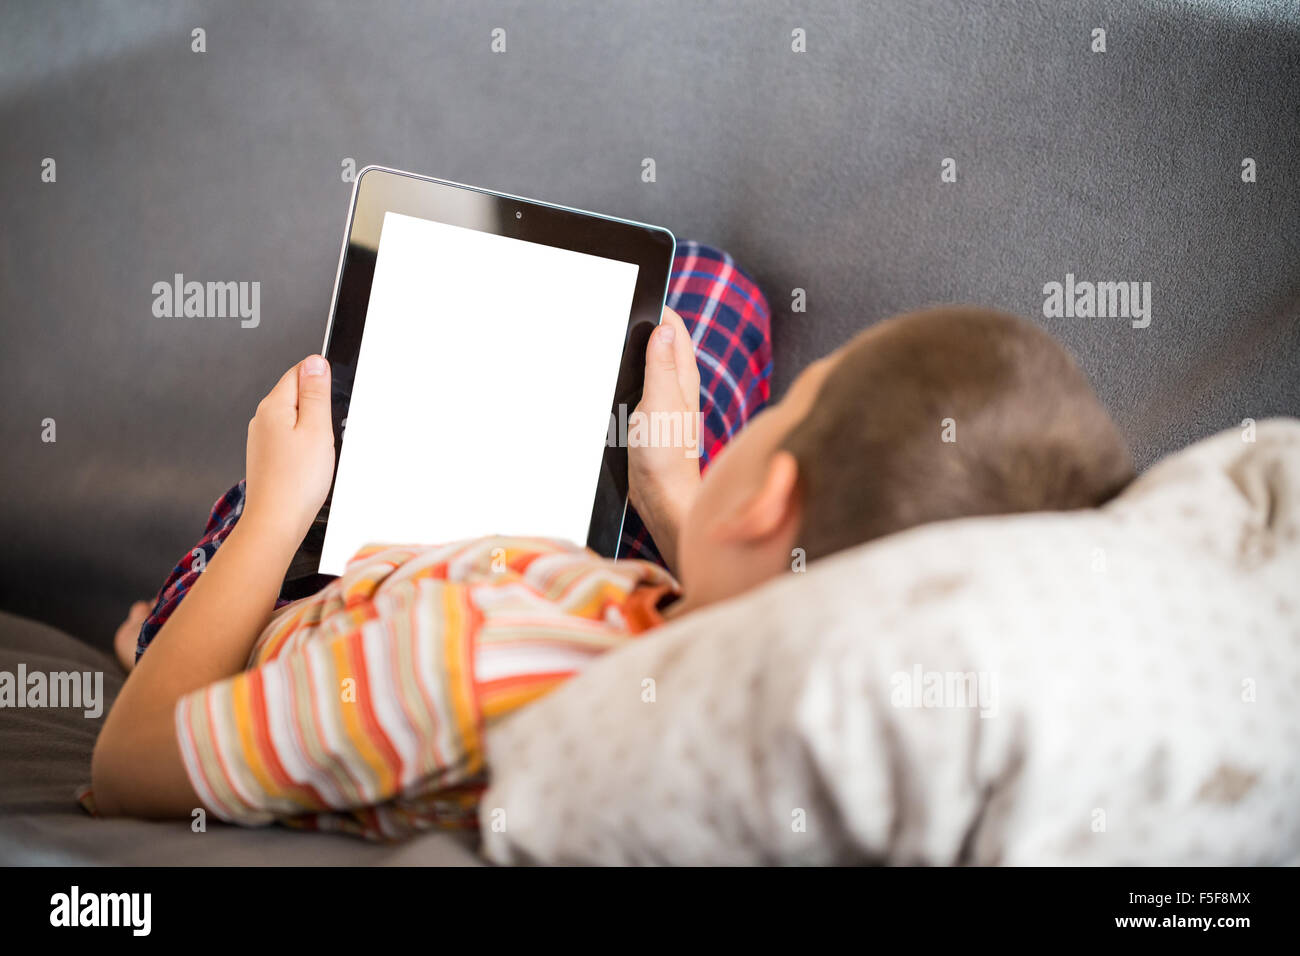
[(364, 707)]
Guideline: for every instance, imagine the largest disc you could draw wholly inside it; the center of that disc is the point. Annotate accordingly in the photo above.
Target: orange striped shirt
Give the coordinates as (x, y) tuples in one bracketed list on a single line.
[(363, 707)]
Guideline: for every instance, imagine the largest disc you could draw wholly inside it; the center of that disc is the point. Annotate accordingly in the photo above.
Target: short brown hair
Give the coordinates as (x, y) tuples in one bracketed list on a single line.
[(1030, 434)]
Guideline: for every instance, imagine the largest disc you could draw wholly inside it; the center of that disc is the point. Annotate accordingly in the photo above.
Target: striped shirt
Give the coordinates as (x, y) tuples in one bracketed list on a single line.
[(363, 707)]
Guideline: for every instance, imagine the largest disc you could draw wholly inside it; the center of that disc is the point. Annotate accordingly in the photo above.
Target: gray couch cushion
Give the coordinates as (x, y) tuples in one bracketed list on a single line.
[(45, 756)]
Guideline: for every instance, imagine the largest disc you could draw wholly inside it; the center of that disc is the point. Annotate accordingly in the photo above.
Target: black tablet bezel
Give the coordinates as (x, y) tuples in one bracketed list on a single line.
[(380, 190)]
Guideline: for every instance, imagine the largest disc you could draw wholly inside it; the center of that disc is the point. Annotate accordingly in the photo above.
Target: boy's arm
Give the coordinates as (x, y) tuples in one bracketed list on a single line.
[(664, 479), (137, 767)]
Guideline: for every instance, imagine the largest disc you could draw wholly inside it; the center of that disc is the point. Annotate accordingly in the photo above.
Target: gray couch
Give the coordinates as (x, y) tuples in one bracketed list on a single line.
[(45, 758), (819, 170)]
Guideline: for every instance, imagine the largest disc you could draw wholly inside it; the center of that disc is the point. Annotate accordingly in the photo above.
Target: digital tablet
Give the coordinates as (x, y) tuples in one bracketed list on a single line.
[(481, 345)]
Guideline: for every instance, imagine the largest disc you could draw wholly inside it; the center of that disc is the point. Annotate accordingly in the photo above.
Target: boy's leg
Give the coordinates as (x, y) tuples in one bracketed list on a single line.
[(225, 513), (730, 326)]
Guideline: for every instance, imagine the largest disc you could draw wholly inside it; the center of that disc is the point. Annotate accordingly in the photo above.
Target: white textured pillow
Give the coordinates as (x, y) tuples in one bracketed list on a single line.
[(1141, 678)]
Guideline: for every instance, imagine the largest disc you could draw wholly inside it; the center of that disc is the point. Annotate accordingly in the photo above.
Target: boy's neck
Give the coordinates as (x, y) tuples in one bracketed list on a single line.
[(683, 605)]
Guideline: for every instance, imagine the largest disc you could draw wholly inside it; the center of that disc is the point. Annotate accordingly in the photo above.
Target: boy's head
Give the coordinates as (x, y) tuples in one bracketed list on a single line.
[(940, 414)]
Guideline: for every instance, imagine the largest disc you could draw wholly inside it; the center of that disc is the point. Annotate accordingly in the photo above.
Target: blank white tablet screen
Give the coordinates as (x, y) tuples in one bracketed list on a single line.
[(482, 394)]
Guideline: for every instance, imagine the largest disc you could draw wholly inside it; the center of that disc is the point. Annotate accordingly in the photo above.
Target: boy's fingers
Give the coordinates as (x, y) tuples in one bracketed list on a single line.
[(660, 388), (661, 356), (688, 372), (672, 376), (669, 317), (314, 393)]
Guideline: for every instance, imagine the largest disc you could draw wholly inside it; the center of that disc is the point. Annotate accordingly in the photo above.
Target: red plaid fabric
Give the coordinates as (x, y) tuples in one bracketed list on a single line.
[(730, 325)]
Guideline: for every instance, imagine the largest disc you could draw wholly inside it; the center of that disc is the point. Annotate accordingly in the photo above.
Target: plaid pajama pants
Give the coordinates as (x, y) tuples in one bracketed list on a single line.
[(730, 326)]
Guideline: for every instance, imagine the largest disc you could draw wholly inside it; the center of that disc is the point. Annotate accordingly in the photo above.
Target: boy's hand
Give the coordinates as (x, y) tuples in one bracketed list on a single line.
[(664, 471), (291, 452)]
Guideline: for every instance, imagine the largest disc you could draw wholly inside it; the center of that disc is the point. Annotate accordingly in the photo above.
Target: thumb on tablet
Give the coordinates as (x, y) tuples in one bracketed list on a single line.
[(662, 353), (314, 393), (660, 386), (672, 379)]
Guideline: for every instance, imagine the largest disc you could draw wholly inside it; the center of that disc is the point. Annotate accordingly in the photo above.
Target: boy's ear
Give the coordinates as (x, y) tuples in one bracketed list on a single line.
[(771, 507)]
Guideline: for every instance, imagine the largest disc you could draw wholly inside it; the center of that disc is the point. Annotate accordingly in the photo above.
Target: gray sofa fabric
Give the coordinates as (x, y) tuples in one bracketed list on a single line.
[(45, 757), (819, 170)]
